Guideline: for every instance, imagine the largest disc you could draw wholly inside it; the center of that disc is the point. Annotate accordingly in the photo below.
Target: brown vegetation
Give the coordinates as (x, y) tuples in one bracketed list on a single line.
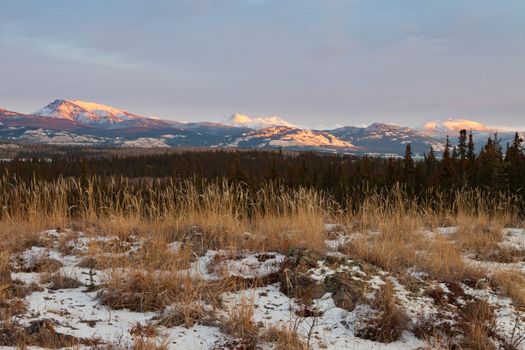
[(387, 322), (387, 232)]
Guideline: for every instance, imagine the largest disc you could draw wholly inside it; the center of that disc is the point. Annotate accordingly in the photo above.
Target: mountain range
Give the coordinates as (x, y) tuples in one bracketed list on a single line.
[(81, 123)]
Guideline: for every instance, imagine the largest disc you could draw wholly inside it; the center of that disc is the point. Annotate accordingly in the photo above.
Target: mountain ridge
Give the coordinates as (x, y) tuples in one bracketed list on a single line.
[(93, 114), (243, 120), (77, 122)]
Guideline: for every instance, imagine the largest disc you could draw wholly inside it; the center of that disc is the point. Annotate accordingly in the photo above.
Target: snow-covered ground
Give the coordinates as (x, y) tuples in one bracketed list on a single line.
[(78, 311)]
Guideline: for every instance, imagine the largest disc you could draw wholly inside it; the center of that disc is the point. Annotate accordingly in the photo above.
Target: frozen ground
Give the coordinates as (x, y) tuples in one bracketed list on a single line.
[(78, 312)]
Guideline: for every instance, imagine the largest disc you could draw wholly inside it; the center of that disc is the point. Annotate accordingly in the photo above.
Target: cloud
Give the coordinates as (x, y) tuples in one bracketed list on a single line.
[(72, 52), (305, 60), (63, 50)]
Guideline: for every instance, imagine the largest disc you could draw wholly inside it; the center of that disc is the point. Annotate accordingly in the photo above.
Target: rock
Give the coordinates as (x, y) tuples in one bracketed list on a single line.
[(296, 282)]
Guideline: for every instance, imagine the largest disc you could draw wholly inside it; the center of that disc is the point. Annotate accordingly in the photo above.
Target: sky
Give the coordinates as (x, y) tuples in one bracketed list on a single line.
[(317, 63)]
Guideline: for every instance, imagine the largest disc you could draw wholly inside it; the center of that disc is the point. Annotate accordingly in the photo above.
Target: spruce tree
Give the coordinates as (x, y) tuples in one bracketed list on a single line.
[(471, 150), (432, 178), (408, 164), (462, 144), (455, 153), (515, 164), (489, 172), (447, 170), (446, 153)]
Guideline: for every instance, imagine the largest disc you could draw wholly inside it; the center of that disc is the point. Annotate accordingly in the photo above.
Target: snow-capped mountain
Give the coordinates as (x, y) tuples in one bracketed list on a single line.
[(440, 129), (93, 114), (451, 127), (241, 120), (80, 123), (289, 137), (387, 138)]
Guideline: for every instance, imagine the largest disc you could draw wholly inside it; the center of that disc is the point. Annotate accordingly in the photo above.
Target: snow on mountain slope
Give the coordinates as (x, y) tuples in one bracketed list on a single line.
[(453, 126), (80, 122), (9, 114), (92, 114), (241, 120), (381, 138), (288, 137), (59, 138), (146, 142)]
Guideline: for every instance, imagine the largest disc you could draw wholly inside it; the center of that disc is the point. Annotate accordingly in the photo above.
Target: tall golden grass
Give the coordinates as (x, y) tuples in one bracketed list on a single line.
[(222, 212), (225, 214), (387, 229)]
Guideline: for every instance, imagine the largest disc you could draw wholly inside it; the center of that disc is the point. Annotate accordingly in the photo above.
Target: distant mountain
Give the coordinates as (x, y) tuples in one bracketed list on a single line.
[(241, 120), (440, 129), (80, 123), (380, 138), (451, 127), (291, 138), (95, 115)]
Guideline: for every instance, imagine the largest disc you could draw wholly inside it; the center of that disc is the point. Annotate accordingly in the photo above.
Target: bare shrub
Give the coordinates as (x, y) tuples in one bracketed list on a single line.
[(39, 333), (59, 281), (388, 321), (478, 324), (239, 323), (187, 314), (141, 290), (41, 264), (510, 283), (284, 338)]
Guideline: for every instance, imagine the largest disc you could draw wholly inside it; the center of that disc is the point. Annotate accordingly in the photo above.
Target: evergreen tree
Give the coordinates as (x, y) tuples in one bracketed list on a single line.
[(497, 147), (515, 164), (432, 176), (462, 144), (490, 165), (471, 153), (461, 155), (455, 153), (236, 172), (446, 153), (447, 171), (408, 164), (515, 151)]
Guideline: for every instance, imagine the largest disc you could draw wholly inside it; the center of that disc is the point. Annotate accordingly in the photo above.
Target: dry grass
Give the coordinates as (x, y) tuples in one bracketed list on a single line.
[(444, 263), (278, 218), (394, 247), (5, 271), (510, 283), (478, 324), (145, 338), (388, 322), (145, 344), (400, 245), (19, 234), (187, 314), (196, 304), (41, 264), (239, 323), (387, 231), (480, 239), (59, 281), (283, 233), (142, 291), (284, 338), (40, 333)]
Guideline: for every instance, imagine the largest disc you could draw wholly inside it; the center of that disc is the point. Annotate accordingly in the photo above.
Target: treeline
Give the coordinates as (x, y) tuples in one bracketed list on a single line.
[(497, 168)]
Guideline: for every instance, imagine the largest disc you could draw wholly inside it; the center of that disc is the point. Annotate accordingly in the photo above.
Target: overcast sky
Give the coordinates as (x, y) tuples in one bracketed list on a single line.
[(312, 62)]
